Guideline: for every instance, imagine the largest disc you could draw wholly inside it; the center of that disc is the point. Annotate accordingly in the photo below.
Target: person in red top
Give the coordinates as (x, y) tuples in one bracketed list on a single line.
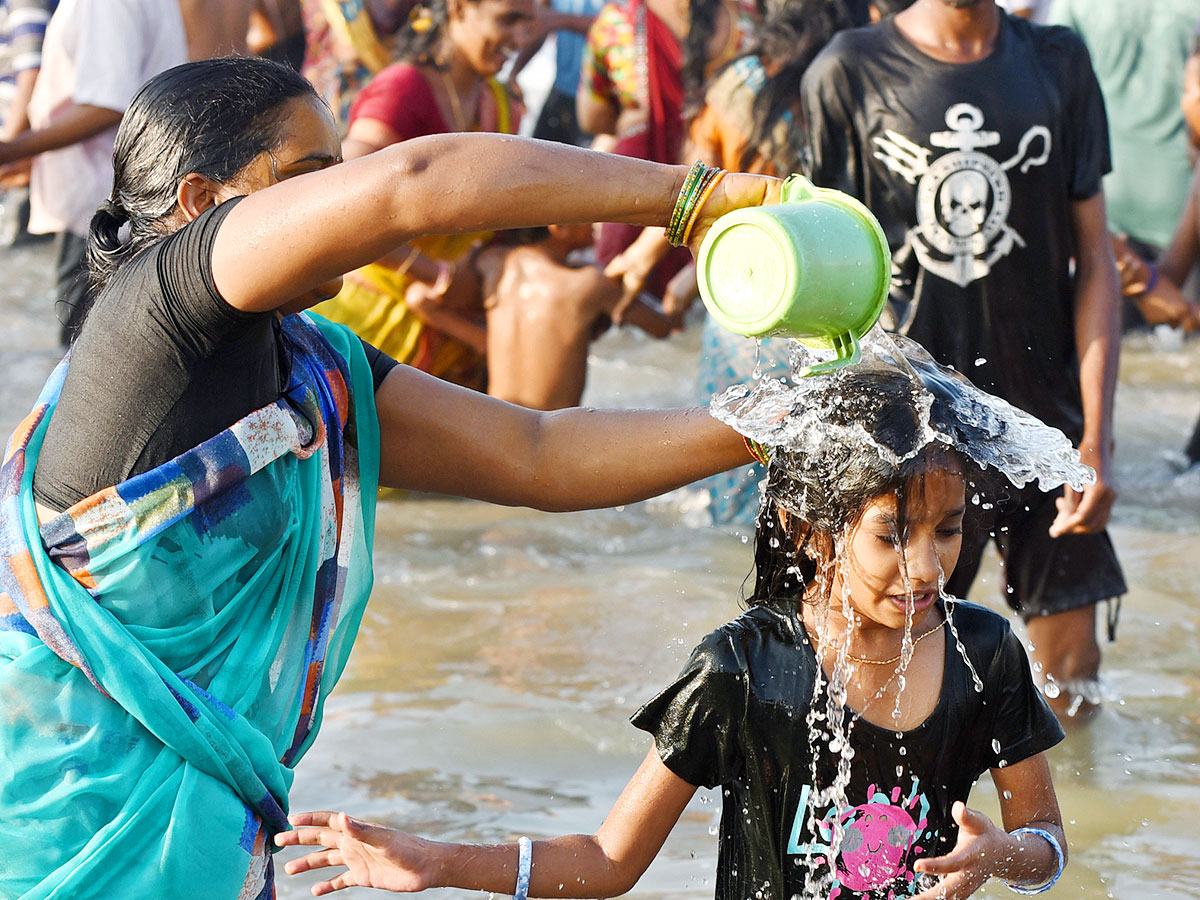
[(421, 304)]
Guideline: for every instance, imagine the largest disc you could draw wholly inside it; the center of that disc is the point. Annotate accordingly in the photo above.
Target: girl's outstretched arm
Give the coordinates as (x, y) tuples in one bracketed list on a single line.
[(283, 241), (1027, 800), (440, 438), (605, 864)]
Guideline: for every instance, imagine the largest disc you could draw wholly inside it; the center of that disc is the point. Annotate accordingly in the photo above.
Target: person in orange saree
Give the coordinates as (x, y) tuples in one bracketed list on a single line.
[(421, 304)]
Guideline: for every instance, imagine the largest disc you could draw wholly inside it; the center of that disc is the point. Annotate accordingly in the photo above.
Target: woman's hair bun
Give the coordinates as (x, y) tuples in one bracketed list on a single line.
[(105, 230)]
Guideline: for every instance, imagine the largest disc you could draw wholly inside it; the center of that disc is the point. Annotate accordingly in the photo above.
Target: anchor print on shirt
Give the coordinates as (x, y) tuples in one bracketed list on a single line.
[(963, 197)]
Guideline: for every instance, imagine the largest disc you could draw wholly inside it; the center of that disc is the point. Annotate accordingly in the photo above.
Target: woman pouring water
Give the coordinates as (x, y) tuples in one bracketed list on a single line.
[(188, 511)]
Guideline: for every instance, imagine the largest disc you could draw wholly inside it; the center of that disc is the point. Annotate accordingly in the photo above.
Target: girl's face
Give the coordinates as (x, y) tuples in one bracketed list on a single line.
[(887, 572), (485, 32)]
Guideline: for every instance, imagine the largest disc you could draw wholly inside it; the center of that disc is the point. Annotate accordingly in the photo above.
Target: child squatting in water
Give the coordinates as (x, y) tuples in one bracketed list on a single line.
[(846, 743)]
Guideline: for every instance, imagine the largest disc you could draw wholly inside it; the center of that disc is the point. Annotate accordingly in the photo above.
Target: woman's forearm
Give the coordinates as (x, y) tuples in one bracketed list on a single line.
[(591, 458), (562, 460), (307, 230)]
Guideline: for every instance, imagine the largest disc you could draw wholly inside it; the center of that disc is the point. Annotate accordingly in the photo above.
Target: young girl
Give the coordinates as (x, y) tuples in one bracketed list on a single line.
[(846, 715)]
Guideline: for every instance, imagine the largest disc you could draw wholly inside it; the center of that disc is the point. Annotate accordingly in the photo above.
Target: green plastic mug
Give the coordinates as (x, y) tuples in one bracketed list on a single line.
[(815, 267)]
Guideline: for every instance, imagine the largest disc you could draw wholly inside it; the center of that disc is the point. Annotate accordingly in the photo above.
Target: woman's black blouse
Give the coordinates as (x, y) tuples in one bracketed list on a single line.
[(163, 363)]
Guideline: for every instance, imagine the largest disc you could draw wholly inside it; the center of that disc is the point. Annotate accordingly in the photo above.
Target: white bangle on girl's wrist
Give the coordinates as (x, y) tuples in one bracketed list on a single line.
[(1058, 855), (524, 866)]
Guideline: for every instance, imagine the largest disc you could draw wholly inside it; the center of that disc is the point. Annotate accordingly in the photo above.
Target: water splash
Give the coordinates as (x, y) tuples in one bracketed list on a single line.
[(797, 416)]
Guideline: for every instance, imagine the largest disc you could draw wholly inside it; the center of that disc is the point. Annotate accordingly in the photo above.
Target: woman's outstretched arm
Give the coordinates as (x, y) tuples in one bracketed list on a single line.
[(441, 438), (281, 242), (603, 864)]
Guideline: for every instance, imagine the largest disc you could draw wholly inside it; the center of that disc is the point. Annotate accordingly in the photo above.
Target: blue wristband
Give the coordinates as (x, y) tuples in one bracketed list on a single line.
[(1058, 853), (525, 864)]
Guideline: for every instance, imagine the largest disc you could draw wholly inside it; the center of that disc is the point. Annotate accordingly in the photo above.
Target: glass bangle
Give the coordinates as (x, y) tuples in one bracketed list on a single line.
[(1058, 854)]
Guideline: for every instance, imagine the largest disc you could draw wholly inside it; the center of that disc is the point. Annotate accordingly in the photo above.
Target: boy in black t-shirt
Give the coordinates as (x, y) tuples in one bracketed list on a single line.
[(980, 142)]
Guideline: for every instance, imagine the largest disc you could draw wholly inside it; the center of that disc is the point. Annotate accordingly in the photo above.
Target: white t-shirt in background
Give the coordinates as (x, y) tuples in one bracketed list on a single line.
[(1039, 8), (97, 53)]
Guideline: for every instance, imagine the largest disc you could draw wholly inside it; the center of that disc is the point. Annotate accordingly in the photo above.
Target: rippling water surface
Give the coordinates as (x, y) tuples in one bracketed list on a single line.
[(504, 650)]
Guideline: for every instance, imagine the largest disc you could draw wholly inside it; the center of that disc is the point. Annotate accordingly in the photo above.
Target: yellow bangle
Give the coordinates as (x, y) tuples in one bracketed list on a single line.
[(687, 229)]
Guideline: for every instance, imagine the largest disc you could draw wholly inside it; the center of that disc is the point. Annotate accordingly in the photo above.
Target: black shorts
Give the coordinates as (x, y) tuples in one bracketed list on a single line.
[(1042, 575)]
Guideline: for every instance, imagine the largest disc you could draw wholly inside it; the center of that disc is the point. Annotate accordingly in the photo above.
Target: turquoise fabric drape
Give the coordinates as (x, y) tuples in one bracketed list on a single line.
[(167, 645)]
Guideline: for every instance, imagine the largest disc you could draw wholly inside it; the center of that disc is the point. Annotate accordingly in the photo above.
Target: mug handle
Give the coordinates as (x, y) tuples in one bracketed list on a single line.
[(797, 187), (848, 353)]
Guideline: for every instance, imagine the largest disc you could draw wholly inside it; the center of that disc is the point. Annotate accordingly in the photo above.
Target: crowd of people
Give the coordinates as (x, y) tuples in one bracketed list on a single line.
[(208, 168)]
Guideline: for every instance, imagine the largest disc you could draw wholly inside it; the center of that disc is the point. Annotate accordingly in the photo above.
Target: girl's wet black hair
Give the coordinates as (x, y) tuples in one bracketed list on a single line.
[(211, 117), (839, 479), (790, 40)]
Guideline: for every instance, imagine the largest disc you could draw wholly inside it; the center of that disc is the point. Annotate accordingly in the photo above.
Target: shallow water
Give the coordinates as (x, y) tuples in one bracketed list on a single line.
[(504, 649)]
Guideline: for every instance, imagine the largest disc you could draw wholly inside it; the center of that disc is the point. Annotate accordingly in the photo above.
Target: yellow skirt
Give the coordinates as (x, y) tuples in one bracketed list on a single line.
[(371, 304)]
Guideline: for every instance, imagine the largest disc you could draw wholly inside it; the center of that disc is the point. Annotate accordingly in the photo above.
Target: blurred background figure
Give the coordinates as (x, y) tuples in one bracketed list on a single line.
[(568, 22), (1139, 51), (543, 312), (95, 56), (347, 42), (22, 29), (422, 305), (277, 32), (752, 121), (646, 64), (1178, 264), (217, 27), (1029, 9)]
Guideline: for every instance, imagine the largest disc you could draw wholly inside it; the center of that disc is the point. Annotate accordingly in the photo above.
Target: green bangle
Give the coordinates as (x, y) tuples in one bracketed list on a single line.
[(683, 202), (693, 193)]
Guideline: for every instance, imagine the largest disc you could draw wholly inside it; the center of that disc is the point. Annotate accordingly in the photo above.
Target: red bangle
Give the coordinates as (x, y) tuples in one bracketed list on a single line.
[(756, 450)]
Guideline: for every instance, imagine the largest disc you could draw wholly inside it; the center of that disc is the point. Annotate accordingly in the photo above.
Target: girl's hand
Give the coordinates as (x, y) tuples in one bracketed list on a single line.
[(980, 853), (374, 856), (736, 190)]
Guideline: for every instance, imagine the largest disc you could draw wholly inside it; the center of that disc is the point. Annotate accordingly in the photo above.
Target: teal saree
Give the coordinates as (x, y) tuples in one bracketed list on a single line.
[(167, 645)]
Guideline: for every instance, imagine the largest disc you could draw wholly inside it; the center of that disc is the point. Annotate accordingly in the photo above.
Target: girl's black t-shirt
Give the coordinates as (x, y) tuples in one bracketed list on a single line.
[(163, 364), (743, 715)]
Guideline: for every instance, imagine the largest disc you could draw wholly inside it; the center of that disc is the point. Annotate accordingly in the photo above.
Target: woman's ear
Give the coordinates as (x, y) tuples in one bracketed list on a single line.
[(196, 193)]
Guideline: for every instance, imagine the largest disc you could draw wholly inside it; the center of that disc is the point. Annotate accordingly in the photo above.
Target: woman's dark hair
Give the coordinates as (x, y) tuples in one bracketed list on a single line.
[(838, 479), (420, 39), (211, 117), (702, 25), (789, 41)]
